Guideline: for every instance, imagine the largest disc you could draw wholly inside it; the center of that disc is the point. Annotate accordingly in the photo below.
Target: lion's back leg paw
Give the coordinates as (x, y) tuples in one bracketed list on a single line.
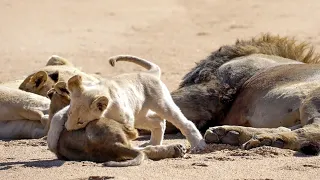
[(273, 140), (179, 150), (223, 135)]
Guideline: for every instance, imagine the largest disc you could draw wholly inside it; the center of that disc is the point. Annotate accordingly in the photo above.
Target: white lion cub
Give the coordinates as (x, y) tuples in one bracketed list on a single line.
[(139, 99)]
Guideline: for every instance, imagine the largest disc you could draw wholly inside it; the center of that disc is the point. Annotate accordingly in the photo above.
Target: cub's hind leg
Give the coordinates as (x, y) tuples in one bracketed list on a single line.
[(164, 151), (165, 107), (155, 124)]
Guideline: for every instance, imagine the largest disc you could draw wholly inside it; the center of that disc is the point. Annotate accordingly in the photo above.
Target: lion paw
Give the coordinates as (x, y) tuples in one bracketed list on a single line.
[(264, 140), (222, 134), (200, 147), (179, 150)]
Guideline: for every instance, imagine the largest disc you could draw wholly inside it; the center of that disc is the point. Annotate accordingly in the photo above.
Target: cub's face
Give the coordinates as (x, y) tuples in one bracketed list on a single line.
[(85, 106), (40, 82), (59, 96)]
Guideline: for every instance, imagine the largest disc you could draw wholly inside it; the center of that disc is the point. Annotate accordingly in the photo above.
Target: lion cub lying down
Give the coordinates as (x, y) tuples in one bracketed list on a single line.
[(57, 69), (128, 98), (103, 140), (23, 115)]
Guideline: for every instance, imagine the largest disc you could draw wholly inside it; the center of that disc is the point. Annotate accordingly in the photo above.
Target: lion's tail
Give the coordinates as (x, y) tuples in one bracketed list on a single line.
[(153, 68)]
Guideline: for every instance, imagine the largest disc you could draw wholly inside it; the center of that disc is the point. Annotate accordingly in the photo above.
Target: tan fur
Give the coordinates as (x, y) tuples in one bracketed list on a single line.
[(23, 115), (55, 60), (133, 99), (214, 81), (285, 47), (103, 140), (56, 69), (286, 95)]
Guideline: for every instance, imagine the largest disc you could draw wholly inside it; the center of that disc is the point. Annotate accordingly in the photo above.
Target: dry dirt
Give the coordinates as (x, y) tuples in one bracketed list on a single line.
[(172, 33)]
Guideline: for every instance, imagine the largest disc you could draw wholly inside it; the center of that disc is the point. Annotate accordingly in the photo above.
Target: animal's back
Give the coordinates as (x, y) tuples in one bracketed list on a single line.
[(15, 103), (272, 98), (267, 44)]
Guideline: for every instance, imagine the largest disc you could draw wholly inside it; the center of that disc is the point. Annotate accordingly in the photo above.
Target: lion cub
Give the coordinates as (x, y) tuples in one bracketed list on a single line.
[(138, 99), (103, 140), (23, 115), (56, 69)]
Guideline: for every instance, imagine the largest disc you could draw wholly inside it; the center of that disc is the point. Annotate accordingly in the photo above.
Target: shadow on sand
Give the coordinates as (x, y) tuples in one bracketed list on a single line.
[(38, 163)]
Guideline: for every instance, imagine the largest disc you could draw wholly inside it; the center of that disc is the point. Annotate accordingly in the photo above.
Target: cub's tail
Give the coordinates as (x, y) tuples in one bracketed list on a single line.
[(137, 158), (153, 68)]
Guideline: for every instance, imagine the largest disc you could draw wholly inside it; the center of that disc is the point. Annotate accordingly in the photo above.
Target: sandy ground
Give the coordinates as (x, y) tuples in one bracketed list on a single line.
[(172, 33)]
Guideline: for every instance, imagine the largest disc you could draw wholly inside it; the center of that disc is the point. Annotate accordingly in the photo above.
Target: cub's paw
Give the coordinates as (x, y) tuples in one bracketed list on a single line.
[(176, 150), (273, 140), (179, 150), (224, 135), (200, 147)]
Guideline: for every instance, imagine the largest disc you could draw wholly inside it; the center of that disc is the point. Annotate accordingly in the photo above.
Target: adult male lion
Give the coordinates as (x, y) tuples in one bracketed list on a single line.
[(225, 89)]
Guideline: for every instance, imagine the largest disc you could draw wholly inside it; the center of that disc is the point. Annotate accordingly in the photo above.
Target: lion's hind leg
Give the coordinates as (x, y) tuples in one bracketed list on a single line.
[(164, 151), (305, 139), (236, 135), (138, 155)]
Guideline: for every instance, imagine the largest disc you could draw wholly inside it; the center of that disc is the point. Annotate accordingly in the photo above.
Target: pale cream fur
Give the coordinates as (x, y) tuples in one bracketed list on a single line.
[(114, 137), (56, 126), (23, 114), (131, 98)]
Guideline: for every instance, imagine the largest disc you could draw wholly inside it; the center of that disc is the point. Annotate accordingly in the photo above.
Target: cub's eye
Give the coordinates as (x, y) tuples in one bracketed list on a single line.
[(79, 121)]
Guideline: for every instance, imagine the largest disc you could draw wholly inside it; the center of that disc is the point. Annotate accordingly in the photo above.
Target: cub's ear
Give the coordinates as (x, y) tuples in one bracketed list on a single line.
[(55, 60), (39, 79), (61, 88), (54, 76), (23, 85), (99, 104), (50, 93), (75, 85)]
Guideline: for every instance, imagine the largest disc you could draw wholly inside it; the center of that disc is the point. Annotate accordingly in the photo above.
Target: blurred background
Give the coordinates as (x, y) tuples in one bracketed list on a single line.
[(172, 33)]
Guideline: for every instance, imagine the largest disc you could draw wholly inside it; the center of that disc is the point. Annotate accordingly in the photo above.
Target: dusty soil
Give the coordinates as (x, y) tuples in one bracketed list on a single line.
[(172, 33)]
